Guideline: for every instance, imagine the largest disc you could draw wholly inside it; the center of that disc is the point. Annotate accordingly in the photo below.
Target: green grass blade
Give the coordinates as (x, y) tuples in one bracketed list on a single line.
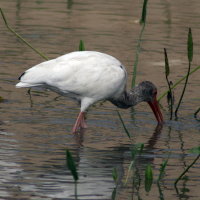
[(137, 149), (162, 169), (71, 165), (190, 45), (167, 70), (190, 54), (148, 178), (122, 122), (186, 170), (195, 150), (115, 175), (196, 113), (144, 12), (178, 82), (21, 38), (142, 21), (81, 46)]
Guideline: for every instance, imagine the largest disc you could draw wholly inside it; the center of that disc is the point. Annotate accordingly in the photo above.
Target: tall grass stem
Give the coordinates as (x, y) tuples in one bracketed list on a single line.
[(143, 22), (124, 126), (81, 46), (178, 82), (21, 38), (167, 72), (190, 56)]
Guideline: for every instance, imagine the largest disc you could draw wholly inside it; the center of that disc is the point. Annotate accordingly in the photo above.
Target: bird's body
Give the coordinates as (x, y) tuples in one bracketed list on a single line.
[(87, 76)]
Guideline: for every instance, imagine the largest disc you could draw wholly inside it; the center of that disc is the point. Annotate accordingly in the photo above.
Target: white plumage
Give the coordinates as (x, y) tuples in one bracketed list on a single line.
[(90, 76), (87, 76)]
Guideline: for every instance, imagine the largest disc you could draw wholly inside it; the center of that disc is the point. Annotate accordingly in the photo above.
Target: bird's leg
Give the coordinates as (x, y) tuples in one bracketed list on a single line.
[(80, 122)]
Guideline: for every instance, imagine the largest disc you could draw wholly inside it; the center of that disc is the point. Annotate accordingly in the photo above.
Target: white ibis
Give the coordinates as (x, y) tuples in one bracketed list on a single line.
[(88, 77)]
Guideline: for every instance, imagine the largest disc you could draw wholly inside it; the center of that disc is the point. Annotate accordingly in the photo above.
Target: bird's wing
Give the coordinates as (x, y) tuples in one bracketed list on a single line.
[(90, 74)]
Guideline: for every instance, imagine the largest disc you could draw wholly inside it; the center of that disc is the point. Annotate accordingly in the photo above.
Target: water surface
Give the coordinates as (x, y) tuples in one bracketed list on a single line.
[(35, 131)]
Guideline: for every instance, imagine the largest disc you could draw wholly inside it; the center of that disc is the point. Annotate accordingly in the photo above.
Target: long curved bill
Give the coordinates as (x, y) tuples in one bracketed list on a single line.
[(156, 110)]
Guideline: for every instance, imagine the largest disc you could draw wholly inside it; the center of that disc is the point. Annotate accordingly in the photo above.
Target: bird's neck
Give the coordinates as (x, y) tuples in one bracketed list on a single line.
[(128, 98)]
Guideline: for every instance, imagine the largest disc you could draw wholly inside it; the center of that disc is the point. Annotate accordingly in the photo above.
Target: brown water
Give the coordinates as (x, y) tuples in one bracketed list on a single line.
[(34, 133)]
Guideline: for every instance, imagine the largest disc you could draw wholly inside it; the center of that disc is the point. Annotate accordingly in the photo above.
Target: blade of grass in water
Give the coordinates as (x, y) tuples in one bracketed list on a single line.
[(178, 82), (167, 72), (71, 165), (21, 38), (162, 169), (190, 56), (148, 178), (195, 150), (137, 149), (196, 112), (144, 12), (126, 130), (115, 175), (143, 22), (81, 46)]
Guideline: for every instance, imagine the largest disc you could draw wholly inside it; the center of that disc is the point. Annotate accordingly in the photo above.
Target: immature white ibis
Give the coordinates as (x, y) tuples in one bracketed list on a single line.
[(88, 77)]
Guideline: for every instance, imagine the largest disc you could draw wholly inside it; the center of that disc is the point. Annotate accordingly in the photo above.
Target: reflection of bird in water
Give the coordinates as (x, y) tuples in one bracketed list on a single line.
[(88, 77)]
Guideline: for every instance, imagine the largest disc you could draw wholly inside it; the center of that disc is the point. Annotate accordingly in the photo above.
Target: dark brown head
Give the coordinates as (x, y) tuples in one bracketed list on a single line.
[(148, 93)]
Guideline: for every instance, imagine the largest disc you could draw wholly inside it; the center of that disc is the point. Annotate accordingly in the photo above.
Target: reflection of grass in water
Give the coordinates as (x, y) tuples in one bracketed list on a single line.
[(72, 168), (134, 151), (195, 150), (1, 99), (148, 178)]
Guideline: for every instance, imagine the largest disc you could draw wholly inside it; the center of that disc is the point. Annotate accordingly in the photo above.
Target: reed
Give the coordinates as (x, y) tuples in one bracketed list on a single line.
[(20, 37), (167, 72), (142, 22), (81, 46), (190, 56)]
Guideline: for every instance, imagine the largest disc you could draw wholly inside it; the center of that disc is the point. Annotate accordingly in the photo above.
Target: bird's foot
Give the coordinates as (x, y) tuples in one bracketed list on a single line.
[(80, 123)]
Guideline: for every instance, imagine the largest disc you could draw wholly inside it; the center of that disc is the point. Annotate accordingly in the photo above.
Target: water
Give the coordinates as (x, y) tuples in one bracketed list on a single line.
[(36, 131)]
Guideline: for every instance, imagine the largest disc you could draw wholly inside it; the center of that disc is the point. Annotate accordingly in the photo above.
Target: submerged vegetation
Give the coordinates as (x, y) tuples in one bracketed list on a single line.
[(133, 175)]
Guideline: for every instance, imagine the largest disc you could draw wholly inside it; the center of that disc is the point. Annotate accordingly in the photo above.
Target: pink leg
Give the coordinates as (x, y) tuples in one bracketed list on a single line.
[(80, 122)]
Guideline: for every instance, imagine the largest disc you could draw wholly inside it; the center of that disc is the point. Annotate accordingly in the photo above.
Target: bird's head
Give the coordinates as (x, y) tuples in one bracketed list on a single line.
[(148, 93)]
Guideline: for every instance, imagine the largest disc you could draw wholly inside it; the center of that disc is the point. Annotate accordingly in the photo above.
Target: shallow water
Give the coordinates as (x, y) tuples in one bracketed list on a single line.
[(35, 131)]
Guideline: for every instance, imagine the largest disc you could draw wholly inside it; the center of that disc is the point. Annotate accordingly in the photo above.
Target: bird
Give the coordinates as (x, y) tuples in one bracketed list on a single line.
[(89, 77)]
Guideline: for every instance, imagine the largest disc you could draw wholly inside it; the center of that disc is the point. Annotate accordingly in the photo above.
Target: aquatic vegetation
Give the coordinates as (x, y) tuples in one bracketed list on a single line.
[(72, 168), (142, 22), (148, 178), (167, 72), (190, 56), (162, 169), (115, 178), (124, 126), (196, 113), (81, 46), (195, 150), (20, 37)]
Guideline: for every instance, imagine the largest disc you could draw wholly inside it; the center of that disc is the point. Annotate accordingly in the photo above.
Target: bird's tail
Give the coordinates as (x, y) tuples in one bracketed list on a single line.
[(26, 82)]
